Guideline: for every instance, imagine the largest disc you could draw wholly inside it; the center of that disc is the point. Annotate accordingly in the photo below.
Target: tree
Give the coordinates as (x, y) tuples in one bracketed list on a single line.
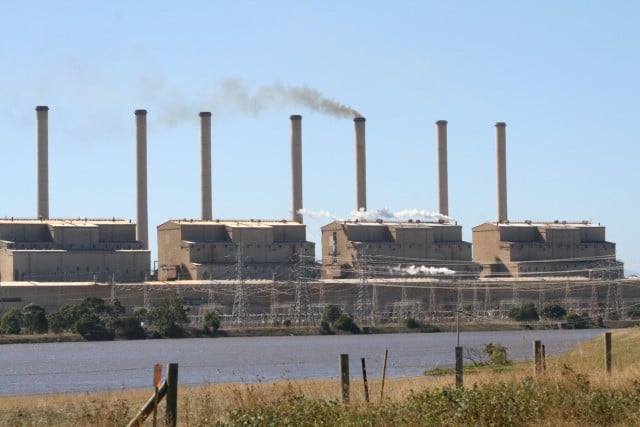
[(331, 313), (525, 313), (211, 322), (170, 317), (129, 327), (34, 319), (93, 329), (578, 321), (411, 323), (347, 324), (553, 311), (11, 321)]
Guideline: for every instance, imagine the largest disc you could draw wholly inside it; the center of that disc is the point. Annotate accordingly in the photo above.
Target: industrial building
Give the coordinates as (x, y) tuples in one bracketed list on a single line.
[(531, 248), (70, 250), (395, 249), (62, 250), (203, 250), (550, 248)]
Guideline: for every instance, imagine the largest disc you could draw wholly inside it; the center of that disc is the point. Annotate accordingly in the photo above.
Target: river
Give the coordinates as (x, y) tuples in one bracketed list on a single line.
[(30, 369)]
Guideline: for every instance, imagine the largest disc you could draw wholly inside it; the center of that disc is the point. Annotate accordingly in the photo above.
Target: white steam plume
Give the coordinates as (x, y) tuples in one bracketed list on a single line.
[(423, 270), (387, 214), (316, 214)]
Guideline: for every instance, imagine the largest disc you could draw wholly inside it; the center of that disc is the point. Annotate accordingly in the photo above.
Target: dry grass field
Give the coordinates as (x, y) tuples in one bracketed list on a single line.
[(574, 390)]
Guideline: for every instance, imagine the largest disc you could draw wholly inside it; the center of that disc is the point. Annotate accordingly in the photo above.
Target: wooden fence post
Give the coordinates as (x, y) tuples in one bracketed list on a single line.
[(172, 395), (607, 351), (537, 357), (459, 367), (384, 373), (344, 377), (364, 377)]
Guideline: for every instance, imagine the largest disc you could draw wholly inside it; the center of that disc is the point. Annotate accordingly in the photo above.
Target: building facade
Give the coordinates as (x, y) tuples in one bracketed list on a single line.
[(395, 249), (59, 250), (545, 248), (217, 249)]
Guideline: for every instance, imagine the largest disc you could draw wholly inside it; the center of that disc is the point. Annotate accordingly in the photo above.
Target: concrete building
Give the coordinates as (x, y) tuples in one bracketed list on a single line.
[(545, 248), (60, 250), (224, 249), (395, 249)]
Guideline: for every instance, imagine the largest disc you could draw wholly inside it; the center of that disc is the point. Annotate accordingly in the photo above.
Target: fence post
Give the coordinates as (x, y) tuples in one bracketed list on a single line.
[(384, 373), (458, 366), (537, 357), (344, 377), (607, 351), (364, 376), (172, 395)]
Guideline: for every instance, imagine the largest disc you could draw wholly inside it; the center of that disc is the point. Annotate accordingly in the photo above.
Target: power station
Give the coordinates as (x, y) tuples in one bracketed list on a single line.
[(356, 254)]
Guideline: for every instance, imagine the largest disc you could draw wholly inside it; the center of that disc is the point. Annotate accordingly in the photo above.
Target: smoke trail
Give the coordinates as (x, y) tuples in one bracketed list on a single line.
[(412, 270), (235, 93), (387, 214)]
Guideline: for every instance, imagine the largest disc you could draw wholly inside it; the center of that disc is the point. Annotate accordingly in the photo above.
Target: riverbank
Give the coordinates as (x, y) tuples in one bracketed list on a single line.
[(272, 331)]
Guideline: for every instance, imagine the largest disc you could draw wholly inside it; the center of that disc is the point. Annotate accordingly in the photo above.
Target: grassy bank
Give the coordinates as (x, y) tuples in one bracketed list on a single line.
[(573, 391)]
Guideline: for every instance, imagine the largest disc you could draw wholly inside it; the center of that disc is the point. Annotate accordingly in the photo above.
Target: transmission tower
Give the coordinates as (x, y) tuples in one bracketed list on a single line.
[(302, 312), (541, 296), (239, 314), (487, 298), (593, 305), (363, 305), (432, 301)]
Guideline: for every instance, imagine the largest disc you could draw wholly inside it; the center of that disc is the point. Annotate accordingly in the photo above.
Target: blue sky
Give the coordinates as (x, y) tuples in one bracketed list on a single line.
[(562, 75)]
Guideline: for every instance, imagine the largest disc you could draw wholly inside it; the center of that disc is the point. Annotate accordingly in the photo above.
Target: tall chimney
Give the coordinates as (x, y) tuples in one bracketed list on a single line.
[(43, 160), (443, 180), (205, 164), (296, 166), (361, 165), (501, 143), (142, 229)]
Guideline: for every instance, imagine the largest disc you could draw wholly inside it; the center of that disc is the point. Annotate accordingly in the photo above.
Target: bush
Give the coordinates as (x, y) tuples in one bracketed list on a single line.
[(578, 321), (347, 324), (525, 313), (211, 322), (129, 327), (35, 319), (497, 354), (331, 313), (170, 317), (553, 312), (92, 329), (411, 323), (11, 321)]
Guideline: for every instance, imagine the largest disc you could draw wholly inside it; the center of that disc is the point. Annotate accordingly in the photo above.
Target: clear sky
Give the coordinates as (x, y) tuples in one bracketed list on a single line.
[(563, 75)]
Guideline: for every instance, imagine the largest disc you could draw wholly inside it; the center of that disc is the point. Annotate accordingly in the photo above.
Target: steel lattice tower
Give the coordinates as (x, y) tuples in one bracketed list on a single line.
[(239, 313), (302, 312)]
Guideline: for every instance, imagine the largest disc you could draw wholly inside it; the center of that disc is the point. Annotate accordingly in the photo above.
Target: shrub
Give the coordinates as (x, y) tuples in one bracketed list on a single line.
[(347, 324), (211, 322), (497, 354), (331, 313), (411, 323), (525, 313), (129, 327), (11, 321), (92, 329), (553, 311), (170, 317), (35, 319)]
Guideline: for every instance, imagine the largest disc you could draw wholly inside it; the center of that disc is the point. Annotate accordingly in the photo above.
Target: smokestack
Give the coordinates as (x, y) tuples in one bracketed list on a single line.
[(142, 228), (443, 180), (43, 160), (361, 165), (205, 164), (501, 145), (296, 166)]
